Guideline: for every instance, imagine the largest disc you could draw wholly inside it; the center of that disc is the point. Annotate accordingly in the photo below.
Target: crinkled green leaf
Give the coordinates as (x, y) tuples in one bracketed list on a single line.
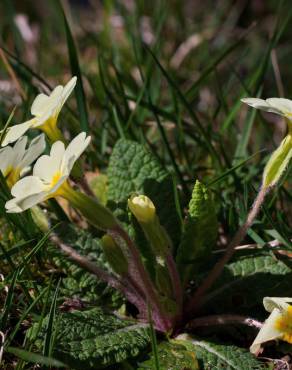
[(218, 357), (245, 282), (172, 356), (133, 169), (93, 339), (78, 282), (200, 232)]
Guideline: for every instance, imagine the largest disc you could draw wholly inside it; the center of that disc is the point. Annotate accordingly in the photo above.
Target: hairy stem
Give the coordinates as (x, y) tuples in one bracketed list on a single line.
[(161, 322), (196, 300), (175, 280), (215, 320), (127, 289)]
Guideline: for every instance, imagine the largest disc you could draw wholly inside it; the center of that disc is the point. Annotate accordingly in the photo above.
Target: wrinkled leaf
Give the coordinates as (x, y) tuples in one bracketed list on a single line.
[(200, 233), (218, 356), (133, 169), (93, 339), (172, 356)]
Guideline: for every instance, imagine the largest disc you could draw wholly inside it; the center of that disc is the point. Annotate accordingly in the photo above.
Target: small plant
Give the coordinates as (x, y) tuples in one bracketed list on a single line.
[(158, 264), (145, 218)]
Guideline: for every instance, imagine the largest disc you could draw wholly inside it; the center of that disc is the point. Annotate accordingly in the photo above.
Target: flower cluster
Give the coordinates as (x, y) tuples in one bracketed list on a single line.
[(50, 174), (49, 177)]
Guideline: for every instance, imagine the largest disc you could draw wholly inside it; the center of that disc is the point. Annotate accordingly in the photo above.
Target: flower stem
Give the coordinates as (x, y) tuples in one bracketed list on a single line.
[(96, 214), (215, 320), (196, 301), (175, 280), (86, 264), (52, 132), (161, 321)]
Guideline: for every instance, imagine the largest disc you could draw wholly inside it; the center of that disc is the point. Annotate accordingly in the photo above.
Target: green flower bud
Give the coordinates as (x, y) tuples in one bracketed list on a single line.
[(114, 255), (278, 162), (40, 218), (142, 208)]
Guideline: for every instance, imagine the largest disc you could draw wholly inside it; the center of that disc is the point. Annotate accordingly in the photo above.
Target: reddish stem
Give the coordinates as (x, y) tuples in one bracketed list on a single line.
[(196, 301)]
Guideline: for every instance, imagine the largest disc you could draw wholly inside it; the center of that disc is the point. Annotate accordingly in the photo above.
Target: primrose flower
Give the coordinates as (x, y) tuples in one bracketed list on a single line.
[(50, 175), (280, 106), (45, 109), (278, 325), (15, 161)]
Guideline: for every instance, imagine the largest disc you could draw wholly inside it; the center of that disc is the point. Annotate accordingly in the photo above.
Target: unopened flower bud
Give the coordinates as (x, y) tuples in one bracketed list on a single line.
[(40, 219), (142, 208), (114, 255)]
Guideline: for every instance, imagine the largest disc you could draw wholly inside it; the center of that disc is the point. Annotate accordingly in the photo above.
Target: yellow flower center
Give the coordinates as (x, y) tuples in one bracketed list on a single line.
[(284, 324), (51, 130), (12, 176), (55, 179)]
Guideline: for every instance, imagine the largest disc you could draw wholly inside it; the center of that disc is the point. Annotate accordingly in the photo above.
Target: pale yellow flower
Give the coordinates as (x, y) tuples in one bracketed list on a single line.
[(16, 161), (278, 325), (45, 109), (50, 175)]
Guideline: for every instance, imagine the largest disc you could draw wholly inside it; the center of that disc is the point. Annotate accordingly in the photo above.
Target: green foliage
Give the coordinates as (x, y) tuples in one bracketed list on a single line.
[(278, 162), (217, 357), (92, 338), (133, 169), (262, 271), (31, 357), (200, 233), (77, 282), (172, 356), (190, 123), (98, 185), (75, 69)]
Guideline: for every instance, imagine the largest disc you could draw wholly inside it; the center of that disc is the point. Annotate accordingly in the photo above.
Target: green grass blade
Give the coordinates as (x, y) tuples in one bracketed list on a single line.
[(172, 83), (35, 358), (8, 301), (49, 337), (24, 315), (76, 71)]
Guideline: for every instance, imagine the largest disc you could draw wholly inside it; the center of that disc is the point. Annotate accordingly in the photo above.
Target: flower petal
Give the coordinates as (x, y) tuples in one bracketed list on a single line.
[(37, 146), (68, 88), (19, 150), (6, 159), (267, 332), (262, 105), (47, 166), (283, 105), (16, 131), (74, 151), (39, 105), (12, 207), (281, 303), (27, 186), (17, 205)]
